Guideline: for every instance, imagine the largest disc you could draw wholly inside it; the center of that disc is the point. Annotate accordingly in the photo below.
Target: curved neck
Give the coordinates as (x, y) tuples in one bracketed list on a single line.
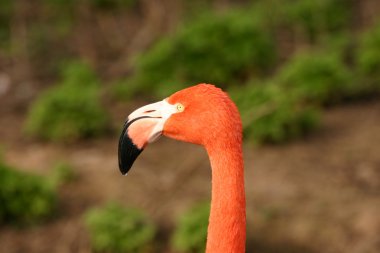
[(227, 224)]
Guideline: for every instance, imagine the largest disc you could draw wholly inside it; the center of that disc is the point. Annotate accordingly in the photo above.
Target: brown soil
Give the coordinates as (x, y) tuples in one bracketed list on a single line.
[(319, 194)]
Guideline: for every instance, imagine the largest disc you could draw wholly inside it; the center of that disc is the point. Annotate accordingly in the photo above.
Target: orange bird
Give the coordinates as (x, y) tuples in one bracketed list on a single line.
[(203, 115)]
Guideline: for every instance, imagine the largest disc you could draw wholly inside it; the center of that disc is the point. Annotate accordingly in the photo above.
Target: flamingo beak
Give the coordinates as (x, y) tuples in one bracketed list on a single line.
[(143, 126)]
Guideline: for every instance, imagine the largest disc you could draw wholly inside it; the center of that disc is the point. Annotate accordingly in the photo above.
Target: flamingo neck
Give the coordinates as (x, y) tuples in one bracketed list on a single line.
[(227, 222)]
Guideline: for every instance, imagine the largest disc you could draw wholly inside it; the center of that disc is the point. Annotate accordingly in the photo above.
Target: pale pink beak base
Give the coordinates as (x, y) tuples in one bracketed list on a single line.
[(143, 126)]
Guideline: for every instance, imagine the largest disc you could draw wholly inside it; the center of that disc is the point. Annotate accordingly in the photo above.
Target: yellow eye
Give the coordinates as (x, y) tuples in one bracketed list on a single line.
[(180, 107)]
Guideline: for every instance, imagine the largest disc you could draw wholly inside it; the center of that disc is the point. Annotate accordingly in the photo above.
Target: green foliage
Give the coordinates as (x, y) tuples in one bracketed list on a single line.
[(318, 18), (99, 4), (273, 114), (217, 48), (113, 4), (318, 77), (62, 173), (233, 47), (114, 228), (288, 105), (190, 234), (70, 110), (196, 7), (6, 7), (236, 46), (25, 198), (368, 60), (125, 89), (60, 3)]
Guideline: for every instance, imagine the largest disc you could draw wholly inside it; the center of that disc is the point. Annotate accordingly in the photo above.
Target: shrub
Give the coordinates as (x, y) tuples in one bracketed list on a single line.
[(273, 114), (216, 48), (318, 18), (62, 173), (318, 77), (71, 110), (6, 7), (126, 88), (25, 198), (190, 234), (368, 60), (114, 228), (113, 4)]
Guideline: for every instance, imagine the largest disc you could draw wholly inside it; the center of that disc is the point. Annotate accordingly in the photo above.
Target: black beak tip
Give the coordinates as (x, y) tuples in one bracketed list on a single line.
[(128, 151)]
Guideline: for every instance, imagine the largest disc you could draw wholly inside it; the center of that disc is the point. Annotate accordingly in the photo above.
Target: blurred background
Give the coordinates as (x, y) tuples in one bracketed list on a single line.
[(306, 78)]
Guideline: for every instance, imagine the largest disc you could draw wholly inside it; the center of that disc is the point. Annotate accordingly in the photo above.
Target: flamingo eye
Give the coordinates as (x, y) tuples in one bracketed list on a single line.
[(180, 107)]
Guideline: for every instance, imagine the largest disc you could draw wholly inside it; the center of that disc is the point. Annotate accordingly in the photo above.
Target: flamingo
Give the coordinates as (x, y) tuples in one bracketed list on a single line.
[(205, 115)]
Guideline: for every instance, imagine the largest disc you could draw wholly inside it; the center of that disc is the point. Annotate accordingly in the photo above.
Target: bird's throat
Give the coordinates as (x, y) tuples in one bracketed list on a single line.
[(227, 223)]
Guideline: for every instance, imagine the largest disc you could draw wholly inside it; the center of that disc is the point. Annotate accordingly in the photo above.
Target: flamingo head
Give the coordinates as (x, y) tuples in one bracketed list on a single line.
[(199, 114)]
